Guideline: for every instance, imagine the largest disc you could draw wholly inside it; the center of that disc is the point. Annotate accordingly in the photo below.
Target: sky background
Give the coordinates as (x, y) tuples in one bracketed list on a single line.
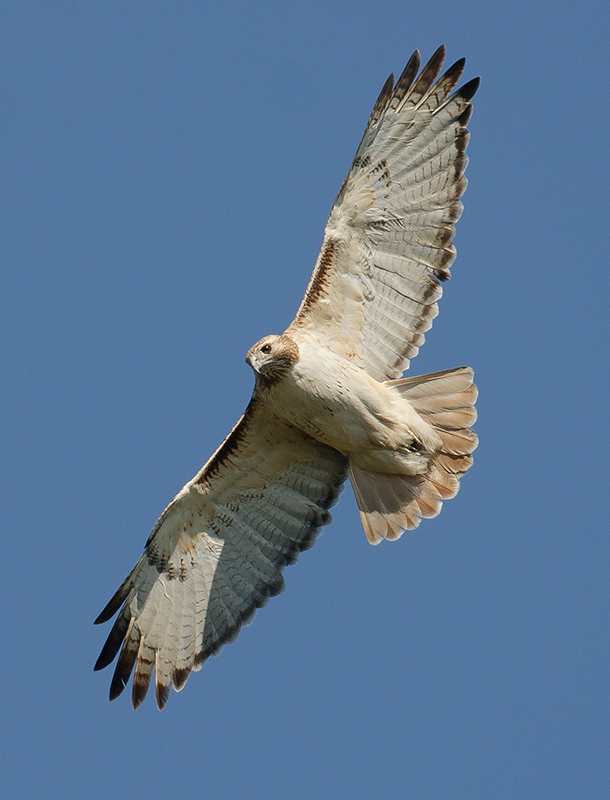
[(166, 171)]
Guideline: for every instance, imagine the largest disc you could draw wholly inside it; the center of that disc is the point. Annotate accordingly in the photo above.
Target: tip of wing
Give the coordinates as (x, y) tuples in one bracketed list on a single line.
[(408, 76), (126, 662), (118, 598), (162, 693), (179, 677), (428, 75), (468, 90), (114, 641), (384, 98), (112, 606)]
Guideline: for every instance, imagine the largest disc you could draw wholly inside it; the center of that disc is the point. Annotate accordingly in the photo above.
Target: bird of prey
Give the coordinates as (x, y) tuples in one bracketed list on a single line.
[(328, 403)]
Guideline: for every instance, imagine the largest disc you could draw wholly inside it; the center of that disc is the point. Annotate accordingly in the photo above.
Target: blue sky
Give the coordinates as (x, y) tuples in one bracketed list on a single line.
[(167, 170)]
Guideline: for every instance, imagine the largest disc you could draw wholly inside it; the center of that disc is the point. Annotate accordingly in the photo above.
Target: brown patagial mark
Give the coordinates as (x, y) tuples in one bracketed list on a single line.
[(229, 447), (319, 280)]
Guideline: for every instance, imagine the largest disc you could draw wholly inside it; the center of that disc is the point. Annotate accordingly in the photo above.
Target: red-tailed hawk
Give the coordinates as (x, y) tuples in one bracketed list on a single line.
[(328, 401)]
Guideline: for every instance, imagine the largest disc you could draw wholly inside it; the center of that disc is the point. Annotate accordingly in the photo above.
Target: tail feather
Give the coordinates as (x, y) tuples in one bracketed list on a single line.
[(456, 465), (392, 503), (446, 483), (457, 442), (456, 418), (385, 503)]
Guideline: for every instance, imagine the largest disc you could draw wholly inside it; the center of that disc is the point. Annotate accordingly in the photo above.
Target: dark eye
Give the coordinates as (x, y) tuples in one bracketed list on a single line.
[(266, 348)]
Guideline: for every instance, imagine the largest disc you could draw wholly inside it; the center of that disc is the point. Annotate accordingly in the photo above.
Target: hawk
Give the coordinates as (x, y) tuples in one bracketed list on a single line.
[(329, 402)]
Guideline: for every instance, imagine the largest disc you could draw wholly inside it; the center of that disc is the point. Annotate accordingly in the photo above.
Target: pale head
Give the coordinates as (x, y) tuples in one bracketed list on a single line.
[(272, 357)]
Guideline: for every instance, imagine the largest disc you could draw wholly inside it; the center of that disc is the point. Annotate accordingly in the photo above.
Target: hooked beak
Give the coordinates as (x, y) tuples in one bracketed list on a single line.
[(252, 360)]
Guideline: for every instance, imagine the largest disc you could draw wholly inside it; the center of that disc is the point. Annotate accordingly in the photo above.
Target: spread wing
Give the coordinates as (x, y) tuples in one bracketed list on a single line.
[(388, 242), (217, 552)]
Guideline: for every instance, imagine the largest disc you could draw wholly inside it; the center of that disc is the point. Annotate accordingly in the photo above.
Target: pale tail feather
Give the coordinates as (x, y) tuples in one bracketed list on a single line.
[(390, 504)]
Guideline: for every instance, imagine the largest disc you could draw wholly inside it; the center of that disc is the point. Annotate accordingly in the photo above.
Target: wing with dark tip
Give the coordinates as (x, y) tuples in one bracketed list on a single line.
[(217, 553), (388, 241)]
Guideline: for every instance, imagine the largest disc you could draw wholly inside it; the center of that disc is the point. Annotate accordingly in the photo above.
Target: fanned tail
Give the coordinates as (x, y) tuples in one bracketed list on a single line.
[(392, 503)]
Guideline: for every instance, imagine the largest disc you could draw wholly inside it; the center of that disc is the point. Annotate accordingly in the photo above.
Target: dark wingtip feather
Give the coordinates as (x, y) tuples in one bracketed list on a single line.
[(451, 76), (468, 90), (125, 665), (384, 98), (162, 692), (456, 69), (142, 678), (103, 660), (428, 75), (116, 688), (403, 84), (139, 691), (180, 677), (108, 612), (433, 67), (113, 642), (116, 601)]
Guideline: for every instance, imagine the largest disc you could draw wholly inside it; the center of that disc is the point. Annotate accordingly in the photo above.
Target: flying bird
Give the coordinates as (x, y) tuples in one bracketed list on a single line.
[(329, 402)]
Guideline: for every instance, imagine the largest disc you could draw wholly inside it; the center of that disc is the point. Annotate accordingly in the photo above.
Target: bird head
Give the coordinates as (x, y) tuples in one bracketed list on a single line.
[(272, 357)]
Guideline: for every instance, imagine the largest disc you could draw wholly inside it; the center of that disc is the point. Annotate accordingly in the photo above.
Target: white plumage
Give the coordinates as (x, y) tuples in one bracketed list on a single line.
[(328, 402)]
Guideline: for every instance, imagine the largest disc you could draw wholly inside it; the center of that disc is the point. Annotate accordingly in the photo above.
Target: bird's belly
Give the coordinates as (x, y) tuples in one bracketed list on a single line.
[(334, 420), (346, 409)]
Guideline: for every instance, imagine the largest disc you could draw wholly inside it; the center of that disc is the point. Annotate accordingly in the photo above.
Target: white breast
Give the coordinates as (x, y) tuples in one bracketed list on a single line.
[(334, 401)]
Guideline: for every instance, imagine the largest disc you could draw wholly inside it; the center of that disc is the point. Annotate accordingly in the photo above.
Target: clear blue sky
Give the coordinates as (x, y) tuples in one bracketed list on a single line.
[(166, 173)]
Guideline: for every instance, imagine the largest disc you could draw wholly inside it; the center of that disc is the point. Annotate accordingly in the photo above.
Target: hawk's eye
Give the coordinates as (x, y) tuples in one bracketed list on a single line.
[(266, 348)]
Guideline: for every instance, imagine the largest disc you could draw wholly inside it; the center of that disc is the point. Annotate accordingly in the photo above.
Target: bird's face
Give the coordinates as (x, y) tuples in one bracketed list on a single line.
[(272, 357)]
